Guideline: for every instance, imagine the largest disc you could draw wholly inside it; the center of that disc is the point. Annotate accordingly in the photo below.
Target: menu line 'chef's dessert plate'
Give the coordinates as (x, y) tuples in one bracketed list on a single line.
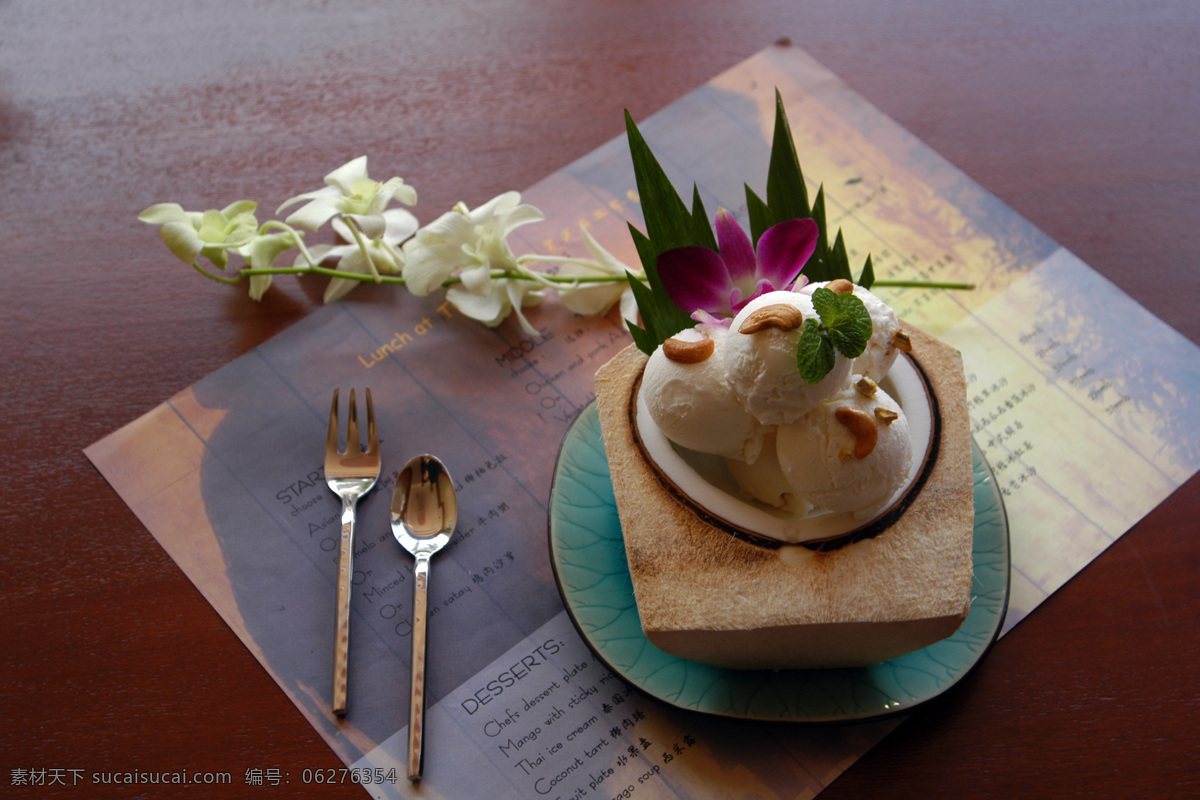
[(587, 553)]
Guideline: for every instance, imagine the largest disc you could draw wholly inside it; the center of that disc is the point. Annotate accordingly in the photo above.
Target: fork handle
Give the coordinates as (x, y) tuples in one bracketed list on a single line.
[(416, 709), (341, 645)]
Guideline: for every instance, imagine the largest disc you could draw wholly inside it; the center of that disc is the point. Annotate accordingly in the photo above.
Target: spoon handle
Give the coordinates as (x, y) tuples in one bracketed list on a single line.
[(416, 713)]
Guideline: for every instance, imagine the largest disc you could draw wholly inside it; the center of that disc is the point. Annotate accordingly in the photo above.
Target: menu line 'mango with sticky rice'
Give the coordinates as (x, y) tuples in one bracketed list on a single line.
[(791, 463)]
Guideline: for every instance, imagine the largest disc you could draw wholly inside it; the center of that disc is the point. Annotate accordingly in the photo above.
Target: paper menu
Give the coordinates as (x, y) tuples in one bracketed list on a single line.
[(1084, 438)]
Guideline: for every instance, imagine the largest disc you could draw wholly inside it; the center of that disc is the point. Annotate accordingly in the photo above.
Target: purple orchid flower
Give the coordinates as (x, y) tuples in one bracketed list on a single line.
[(719, 283)]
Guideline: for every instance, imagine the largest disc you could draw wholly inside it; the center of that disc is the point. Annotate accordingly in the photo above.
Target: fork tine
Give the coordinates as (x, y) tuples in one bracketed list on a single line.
[(331, 438), (350, 474), (372, 434), (352, 444)]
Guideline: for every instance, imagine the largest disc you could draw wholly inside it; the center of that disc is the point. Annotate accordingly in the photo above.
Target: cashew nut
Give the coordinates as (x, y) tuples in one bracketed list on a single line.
[(781, 316), (861, 426), (866, 387), (886, 415), (683, 352)]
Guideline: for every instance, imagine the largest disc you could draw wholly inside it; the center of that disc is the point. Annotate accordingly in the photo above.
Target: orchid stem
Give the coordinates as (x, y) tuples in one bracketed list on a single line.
[(537, 258), (361, 246), (923, 285), (218, 278)]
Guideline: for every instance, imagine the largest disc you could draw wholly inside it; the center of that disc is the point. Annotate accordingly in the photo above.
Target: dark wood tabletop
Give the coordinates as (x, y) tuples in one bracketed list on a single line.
[(1080, 116)]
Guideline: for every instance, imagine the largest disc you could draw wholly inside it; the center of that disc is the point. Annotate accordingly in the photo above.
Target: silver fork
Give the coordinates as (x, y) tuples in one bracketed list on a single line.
[(350, 475)]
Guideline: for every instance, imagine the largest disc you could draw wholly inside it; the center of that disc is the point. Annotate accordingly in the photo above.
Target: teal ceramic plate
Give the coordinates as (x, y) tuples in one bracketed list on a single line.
[(588, 556)]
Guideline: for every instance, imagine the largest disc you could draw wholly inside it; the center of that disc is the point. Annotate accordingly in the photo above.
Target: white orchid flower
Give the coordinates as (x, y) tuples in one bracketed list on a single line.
[(260, 253), (192, 234), (474, 242), (504, 296), (383, 254), (598, 298), (351, 193)]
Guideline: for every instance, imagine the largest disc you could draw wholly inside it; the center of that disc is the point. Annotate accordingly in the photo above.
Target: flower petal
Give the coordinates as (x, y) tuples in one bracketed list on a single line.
[(521, 215), (320, 252), (259, 285), (162, 213), (398, 225), (392, 189), (500, 204), (477, 279), (737, 303), (521, 295), (406, 194), (734, 246), (426, 266), (629, 308), (695, 278), (595, 298), (216, 255), (490, 309), (315, 212), (452, 228), (340, 287), (182, 240), (372, 226), (240, 207), (262, 251), (784, 249), (344, 176), (606, 262), (324, 191)]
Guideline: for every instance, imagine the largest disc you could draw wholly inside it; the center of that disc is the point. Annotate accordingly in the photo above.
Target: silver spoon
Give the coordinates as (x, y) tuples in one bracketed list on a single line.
[(424, 515)]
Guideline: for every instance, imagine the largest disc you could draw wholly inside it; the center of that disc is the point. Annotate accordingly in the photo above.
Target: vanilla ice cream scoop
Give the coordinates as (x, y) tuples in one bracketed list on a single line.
[(761, 367), (765, 482), (850, 453), (881, 352), (689, 400)]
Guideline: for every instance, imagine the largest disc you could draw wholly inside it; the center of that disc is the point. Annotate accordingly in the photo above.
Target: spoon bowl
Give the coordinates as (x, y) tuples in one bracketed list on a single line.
[(424, 506), (424, 514)]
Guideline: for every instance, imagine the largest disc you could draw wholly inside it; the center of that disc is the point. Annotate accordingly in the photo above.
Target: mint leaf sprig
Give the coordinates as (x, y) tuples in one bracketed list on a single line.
[(845, 327)]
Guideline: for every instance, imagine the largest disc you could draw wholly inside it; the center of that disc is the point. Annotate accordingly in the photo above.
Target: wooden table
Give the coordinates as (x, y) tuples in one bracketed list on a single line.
[(1082, 117)]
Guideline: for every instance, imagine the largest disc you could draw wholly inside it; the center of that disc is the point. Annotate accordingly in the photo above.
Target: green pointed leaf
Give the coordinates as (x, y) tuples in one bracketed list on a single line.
[(662, 318), (867, 277), (787, 194), (646, 253), (839, 260), (818, 215), (668, 223), (654, 304), (642, 338), (702, 231), (815, 355), (760, 214), (821, 254)]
